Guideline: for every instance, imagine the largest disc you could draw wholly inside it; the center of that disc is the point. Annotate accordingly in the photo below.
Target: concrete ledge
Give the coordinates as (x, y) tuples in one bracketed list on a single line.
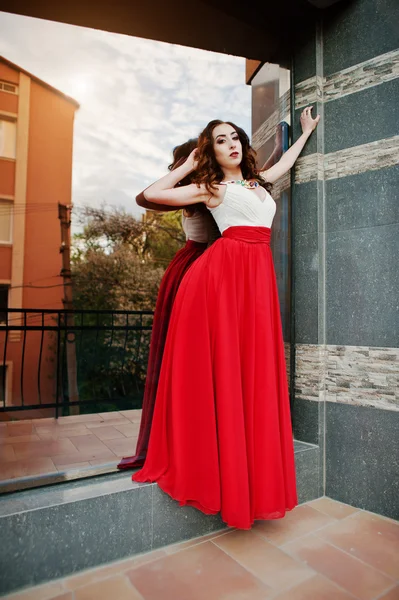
[(55, 531)]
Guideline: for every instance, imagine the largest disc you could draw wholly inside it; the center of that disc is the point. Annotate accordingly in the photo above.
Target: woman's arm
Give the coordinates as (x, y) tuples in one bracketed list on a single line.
[(141, 201), (288, 159), (164, 191)]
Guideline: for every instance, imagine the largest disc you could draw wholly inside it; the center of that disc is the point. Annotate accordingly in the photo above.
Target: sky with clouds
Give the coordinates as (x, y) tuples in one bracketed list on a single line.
[(139, 98)]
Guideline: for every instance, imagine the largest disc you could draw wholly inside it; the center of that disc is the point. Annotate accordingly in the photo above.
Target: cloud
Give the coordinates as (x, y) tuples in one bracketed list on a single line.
[(139, 98)]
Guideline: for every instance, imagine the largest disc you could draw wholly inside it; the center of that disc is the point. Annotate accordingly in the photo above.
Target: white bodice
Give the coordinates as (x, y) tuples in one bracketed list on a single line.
[(196, 227), (241, 206)]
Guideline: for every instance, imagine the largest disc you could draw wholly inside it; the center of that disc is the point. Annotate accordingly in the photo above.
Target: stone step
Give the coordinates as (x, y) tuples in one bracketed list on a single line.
[(54, 531)]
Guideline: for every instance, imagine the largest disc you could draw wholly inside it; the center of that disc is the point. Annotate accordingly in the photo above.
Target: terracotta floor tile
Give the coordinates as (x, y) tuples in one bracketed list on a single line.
[(371, 538), (44, 421), (143, 559), (393, 594), (105, 461), (44, 448), (302, 520), (66, 435), (133, 415), (26, 467), (111, 416), (116, 568), (41, 592), (118, 420), (71, 466), (353, 575), (123, 446), (90, 418), (104, 456), (88, 443), (24, 428), (114, 588), (265, 561), (107, 432), (130, 430), (61, 431), (317, 588), (202, 571), (7, 452), (173, 548), (334, 509), (21, 438)]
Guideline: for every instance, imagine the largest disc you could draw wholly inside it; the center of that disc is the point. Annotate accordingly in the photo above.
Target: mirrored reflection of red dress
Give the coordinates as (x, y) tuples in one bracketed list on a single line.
[(199, 228), (221, 437)]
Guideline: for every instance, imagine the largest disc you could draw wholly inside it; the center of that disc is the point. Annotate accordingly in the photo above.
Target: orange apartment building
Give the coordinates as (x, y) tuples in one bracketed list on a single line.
[(36, 139)]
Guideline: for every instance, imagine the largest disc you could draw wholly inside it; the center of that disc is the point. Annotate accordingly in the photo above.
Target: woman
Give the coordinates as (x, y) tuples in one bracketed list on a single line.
[(200, 230), (221, 438)]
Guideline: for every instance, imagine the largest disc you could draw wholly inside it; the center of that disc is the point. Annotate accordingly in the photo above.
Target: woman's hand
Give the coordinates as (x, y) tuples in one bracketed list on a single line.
[(192, 161), (308, 124)]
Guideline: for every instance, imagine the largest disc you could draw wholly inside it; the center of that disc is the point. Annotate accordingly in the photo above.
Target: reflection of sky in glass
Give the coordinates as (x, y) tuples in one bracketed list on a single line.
[(139, 98), (270, 103)]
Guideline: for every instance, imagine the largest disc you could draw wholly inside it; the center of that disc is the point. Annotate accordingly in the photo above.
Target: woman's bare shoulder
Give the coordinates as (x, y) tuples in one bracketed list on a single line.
[(216, 196)]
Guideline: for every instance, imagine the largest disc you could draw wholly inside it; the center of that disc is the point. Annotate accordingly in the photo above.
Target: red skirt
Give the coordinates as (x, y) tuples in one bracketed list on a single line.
[(163, 309), (221, 438)]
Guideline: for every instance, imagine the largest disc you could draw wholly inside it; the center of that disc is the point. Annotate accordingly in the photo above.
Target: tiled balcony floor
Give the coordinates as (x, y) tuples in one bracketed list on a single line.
[(48, 445), (323, 550), (68, 447)]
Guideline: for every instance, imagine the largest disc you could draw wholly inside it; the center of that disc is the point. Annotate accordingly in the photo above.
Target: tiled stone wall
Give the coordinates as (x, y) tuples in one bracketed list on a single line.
[(357, 375), (345, 248)]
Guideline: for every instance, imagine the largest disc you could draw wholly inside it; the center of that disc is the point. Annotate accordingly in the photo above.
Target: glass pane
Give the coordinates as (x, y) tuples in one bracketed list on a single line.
[(8, 130), (5, 221), (270, 128)]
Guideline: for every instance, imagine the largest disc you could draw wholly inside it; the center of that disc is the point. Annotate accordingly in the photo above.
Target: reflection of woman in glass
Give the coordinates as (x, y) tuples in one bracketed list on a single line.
[(200, 230), (221, 438)]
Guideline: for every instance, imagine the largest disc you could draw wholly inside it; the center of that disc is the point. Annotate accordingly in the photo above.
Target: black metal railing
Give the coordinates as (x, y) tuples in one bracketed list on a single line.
[(62, 358)]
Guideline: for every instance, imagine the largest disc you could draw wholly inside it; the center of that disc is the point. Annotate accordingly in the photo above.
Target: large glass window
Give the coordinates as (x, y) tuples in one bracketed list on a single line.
[(270, 130), (8, 138)]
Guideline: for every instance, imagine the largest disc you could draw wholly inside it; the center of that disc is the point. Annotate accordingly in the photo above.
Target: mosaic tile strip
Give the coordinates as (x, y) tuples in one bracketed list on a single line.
[(349, 161), (358, 375), (308, 168), (358, 159), (370, 73), (308, 91)]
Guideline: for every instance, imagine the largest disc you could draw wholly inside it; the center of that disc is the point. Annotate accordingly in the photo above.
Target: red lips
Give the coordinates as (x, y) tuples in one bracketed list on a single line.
[(234, 154)]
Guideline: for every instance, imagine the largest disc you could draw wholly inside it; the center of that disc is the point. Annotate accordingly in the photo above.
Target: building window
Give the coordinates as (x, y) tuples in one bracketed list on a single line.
[(8, 139), (3, 303), (9, 88), (5, 221)]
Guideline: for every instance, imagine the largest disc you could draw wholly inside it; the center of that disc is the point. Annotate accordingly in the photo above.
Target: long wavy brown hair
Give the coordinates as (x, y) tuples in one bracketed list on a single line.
[(210, 173), (180, 155)]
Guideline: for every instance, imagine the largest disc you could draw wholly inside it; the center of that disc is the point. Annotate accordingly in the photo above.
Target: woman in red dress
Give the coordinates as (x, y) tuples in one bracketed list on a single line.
[(221, 438), (200, 230)]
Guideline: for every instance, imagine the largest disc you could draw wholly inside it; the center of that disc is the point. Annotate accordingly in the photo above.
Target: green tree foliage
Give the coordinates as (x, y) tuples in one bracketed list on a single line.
[(117, 264), (118, 260)]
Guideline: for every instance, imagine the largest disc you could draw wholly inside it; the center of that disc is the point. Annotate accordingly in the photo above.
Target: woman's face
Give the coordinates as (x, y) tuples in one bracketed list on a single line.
[(227, 146)]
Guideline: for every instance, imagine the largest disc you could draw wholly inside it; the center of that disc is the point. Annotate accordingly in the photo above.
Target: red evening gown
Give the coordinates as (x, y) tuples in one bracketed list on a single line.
[(198, 229), (221, 437)]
